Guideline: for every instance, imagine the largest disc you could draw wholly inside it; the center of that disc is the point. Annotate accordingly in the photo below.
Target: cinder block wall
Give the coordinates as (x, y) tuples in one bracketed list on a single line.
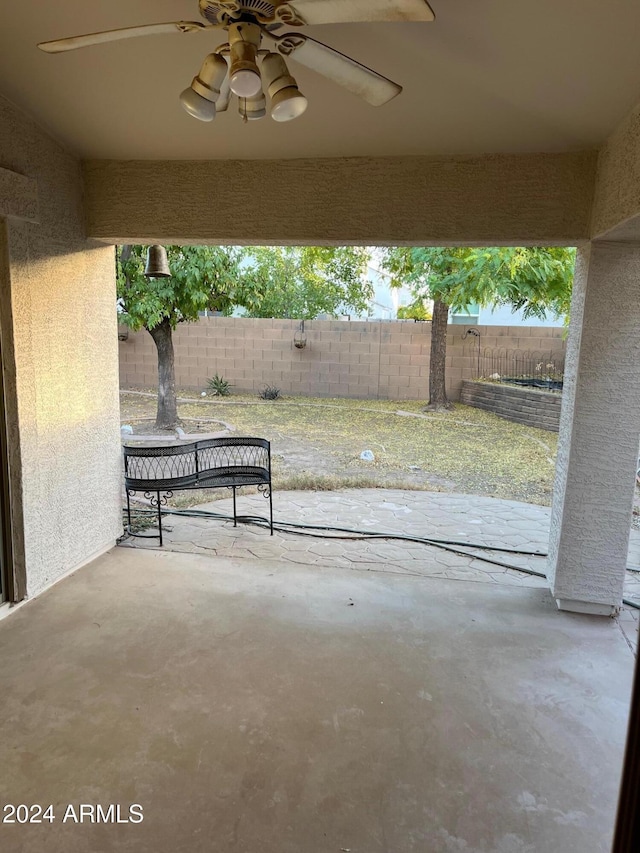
[(528, 406), (372, 360)]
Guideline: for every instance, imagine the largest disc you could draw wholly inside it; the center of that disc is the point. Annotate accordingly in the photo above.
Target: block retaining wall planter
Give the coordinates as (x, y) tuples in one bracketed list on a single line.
[(527, 406)]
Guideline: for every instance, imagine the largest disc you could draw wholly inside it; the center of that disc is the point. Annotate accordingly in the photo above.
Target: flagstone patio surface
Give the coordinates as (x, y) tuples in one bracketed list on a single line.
[(454, 518)]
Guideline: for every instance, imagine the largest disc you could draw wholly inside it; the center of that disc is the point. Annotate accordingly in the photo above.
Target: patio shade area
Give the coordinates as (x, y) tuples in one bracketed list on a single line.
[(301, 701), (263, 705)]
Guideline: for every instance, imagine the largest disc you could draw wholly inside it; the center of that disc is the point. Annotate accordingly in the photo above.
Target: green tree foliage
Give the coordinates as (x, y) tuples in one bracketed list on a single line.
[(417, 310), (202, 277), (296, 282), (301, 282), (211, 278), (536, 280)]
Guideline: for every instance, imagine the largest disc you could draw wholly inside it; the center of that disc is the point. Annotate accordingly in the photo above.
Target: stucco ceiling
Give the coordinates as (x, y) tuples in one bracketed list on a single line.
[(486, 76)]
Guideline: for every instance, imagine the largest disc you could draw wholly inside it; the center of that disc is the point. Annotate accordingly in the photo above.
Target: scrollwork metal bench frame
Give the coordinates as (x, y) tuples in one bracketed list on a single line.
[(212, 463)]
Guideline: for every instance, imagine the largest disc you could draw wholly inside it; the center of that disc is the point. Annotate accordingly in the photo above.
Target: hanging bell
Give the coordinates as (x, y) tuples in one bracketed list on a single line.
[(157, 263)]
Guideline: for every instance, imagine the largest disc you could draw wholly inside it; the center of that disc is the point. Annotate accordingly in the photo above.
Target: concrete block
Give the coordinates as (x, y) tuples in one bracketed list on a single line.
[(390, 370), (411, 370), (410, 350), (359, 348), (359, 370)]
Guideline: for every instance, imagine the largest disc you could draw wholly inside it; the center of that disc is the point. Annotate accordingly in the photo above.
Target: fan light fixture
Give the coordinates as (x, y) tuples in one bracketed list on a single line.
[(233, 67), (253, 108), (287, 102), (244, 76), (199, 99)]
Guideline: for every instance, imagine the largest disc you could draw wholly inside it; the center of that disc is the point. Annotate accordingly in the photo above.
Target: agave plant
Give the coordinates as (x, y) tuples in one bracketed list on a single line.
[(219, 386)]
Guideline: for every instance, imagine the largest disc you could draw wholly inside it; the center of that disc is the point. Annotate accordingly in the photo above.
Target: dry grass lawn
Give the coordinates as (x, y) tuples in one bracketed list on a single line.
[(316, 444)]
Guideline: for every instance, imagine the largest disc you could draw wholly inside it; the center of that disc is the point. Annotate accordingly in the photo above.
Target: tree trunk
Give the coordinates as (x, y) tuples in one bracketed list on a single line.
[(437, 367), (167, 414)]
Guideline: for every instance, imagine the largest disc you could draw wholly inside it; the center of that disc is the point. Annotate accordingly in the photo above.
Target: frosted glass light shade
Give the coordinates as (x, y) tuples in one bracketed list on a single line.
[(197, 106), (245, 83), (288, 104)]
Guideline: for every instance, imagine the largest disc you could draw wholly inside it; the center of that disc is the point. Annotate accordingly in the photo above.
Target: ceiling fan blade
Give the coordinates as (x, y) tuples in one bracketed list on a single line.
[(73, 43), (353, 11), (346, 72)]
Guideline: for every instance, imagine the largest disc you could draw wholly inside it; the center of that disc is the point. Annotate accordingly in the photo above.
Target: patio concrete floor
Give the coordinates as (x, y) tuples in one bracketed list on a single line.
[(264, 704)]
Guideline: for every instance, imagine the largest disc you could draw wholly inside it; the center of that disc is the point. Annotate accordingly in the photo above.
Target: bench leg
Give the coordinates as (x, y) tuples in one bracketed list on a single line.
[(270, 510), (159, 519), (235, 519), (128, 510)]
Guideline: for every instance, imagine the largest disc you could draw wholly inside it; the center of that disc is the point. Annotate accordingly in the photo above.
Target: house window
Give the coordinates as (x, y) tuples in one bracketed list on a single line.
[(466, 317)]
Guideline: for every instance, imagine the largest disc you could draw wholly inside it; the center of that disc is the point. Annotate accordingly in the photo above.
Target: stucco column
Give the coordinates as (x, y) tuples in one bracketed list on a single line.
[(599, 427)]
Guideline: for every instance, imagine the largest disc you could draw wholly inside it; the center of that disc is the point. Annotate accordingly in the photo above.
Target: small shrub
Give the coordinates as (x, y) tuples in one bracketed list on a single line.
[(219, 386), (269, 392)]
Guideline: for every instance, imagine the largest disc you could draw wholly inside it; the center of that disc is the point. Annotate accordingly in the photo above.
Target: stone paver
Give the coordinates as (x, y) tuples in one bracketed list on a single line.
[(465, 519)]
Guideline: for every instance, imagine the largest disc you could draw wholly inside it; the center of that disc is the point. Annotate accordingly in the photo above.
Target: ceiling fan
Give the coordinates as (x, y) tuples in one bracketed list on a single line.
[(232, 69)]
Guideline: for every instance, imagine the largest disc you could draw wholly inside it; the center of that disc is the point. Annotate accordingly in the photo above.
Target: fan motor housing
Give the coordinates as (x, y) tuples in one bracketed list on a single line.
[(223, 11)]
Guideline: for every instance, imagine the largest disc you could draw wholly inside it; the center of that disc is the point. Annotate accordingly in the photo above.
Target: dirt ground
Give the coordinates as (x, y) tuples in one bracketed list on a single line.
[(317, 443)]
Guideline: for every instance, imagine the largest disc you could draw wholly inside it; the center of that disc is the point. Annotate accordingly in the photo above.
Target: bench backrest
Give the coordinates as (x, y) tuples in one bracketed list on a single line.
[(184, 465)]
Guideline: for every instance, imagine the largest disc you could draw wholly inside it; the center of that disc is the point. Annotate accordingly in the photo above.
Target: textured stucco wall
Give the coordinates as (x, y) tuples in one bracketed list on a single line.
[(617, 197), (18, 196), (599, 425), (540, 199), (61, 289), (388, 360)]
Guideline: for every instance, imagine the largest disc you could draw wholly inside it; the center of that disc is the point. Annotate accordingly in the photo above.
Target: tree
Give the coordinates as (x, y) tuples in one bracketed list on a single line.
[(298, 282), (536, 280), (301, 282), (202, 277)]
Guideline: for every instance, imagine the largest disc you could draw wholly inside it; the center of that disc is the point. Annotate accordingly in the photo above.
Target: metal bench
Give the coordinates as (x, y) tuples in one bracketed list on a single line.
[(212, 463)]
